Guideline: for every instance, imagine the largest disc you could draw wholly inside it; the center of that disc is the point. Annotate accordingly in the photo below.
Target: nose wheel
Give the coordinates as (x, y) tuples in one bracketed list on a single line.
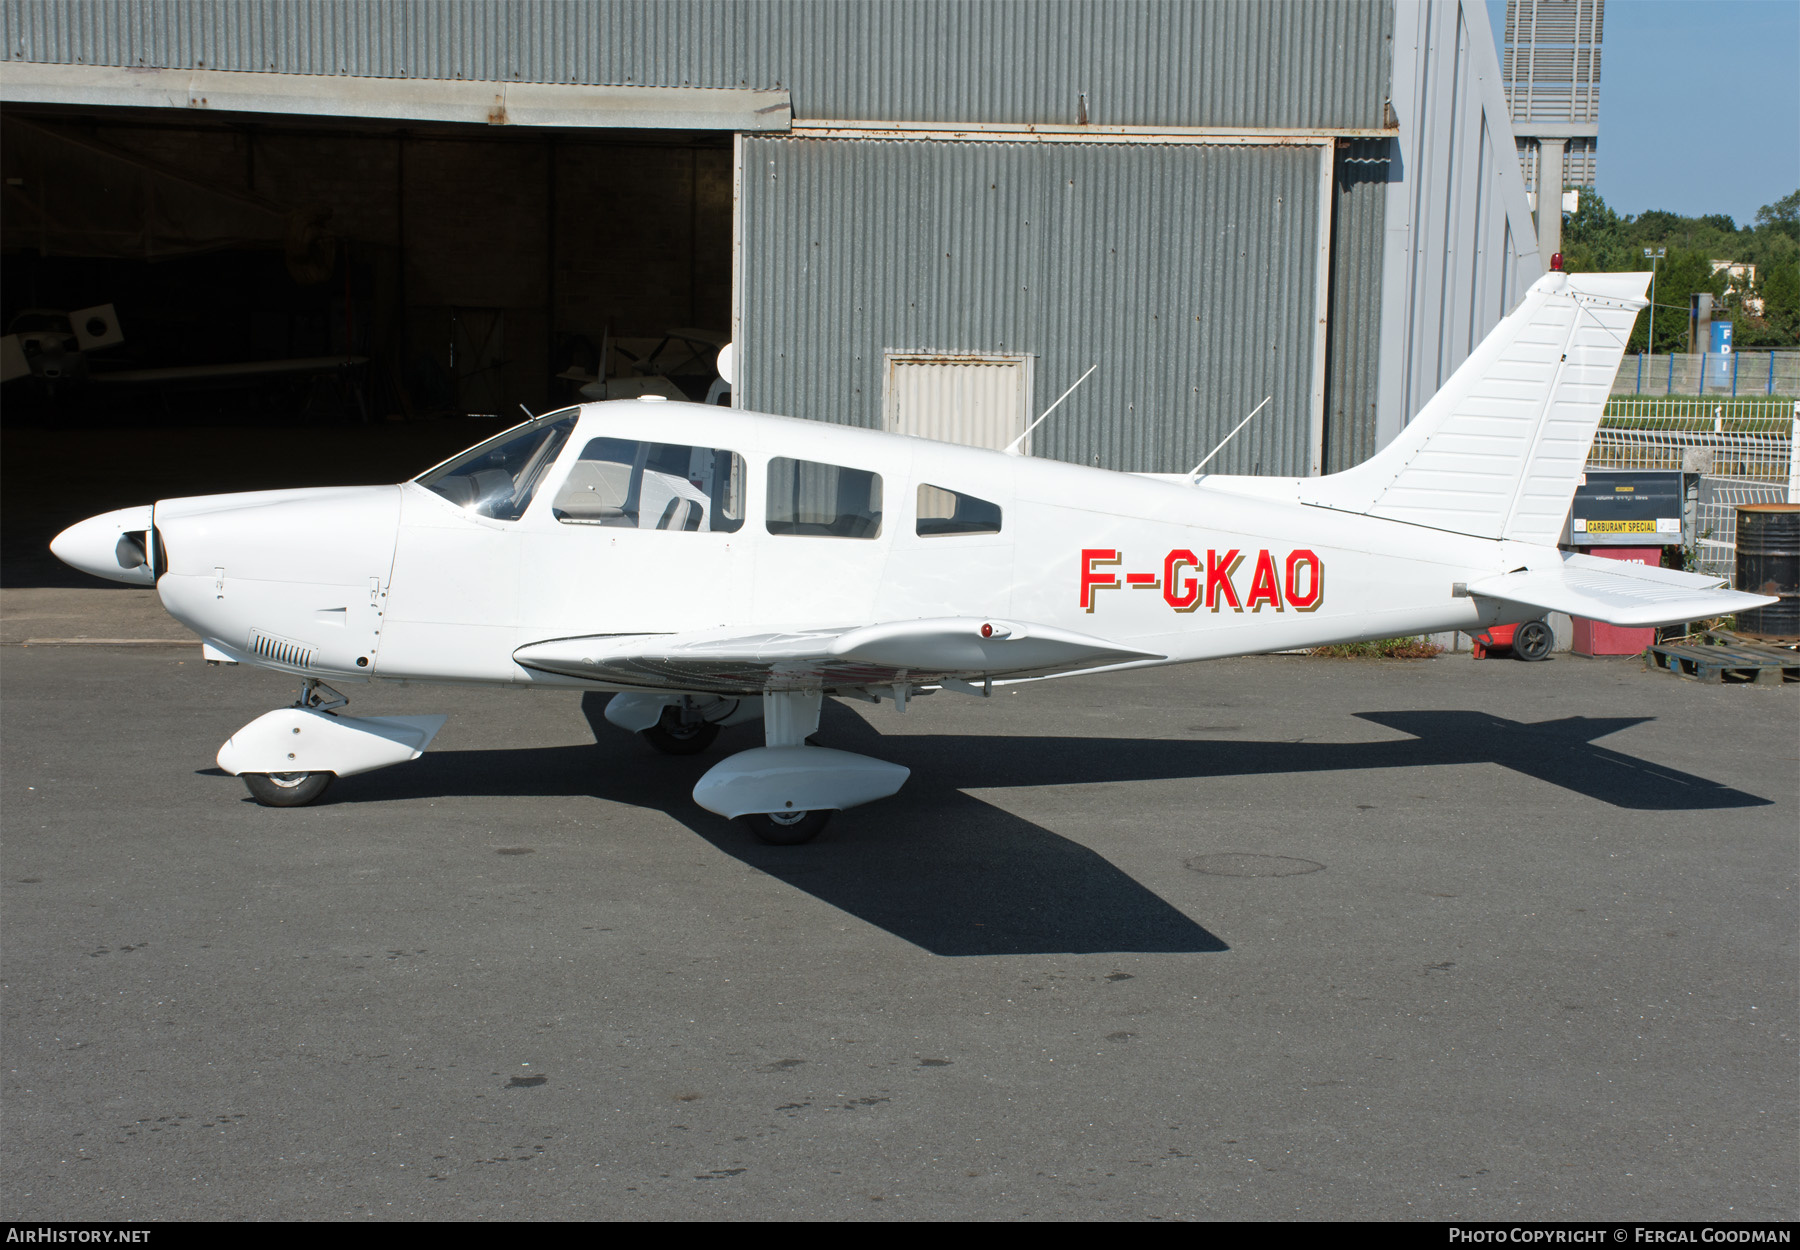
[(288, 789), (788, 828)]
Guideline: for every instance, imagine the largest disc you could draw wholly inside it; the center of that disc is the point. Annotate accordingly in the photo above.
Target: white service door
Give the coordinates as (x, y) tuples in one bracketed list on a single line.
[(975, 401)]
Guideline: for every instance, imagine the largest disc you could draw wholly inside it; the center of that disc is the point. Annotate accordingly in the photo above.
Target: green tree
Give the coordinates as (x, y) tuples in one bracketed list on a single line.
[(1783, 216), (1594, 237), (1781, 304), (1683, 274), (1598, 240)]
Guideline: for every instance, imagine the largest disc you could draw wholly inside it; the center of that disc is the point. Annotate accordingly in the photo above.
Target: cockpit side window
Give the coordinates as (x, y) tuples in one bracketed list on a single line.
[(632, 484), (497, 478), (943, 511), (824, 500)]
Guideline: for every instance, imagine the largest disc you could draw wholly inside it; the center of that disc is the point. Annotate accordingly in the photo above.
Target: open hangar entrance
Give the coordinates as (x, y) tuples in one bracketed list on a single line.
[(314, 299), (469, 265)]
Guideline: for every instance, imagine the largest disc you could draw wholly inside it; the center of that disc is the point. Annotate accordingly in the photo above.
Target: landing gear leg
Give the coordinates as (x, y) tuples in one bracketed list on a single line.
[(311, 698), (789, 719)]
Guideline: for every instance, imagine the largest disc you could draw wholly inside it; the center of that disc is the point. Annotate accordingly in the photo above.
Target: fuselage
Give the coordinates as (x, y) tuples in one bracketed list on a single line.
[(667, 518)]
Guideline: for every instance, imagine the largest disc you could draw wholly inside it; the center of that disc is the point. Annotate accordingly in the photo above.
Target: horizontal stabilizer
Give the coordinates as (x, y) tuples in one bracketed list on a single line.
[(921, 652), (1618, 593)]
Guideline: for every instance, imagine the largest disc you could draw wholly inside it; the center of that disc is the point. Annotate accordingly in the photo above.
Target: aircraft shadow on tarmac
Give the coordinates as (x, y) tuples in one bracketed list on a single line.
[(958, 876)]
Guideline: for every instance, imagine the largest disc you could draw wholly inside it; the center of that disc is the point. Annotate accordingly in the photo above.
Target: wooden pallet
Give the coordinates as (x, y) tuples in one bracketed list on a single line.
[(1730, 639), (1736, 662)]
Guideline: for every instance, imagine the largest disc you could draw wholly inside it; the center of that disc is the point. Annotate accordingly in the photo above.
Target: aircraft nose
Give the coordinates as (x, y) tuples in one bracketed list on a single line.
[(114, 545)]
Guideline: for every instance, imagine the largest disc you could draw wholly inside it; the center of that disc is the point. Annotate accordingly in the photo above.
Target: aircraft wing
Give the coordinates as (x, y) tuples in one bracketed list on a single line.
[(1618, 593), (921, 652)]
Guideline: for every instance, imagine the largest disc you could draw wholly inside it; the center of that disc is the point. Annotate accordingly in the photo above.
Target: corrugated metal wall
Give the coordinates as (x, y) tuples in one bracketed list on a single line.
[(1426, 249), (1300, 63), (1353, 343), (1186, 272), (1461, 247)]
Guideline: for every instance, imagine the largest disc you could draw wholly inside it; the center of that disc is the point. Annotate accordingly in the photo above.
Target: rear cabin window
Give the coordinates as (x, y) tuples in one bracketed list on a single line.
[(943, 511), (631, 484), (823, 500)]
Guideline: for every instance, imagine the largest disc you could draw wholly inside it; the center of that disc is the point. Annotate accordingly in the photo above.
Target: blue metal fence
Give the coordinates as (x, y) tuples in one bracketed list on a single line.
[(1710, 373)]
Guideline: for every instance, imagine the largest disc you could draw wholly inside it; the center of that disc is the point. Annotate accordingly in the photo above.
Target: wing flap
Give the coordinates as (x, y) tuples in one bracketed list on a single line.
[(921, 652), (958, 646), (1618, 593)]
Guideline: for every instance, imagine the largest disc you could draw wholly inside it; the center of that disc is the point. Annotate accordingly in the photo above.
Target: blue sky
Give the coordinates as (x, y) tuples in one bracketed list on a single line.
[(1699, 104)]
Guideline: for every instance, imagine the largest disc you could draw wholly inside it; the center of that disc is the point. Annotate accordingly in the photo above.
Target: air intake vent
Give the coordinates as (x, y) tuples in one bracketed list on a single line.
[(281, 650)]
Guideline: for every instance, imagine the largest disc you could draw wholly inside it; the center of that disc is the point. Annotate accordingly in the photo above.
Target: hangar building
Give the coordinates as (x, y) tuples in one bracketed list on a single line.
[(924, 215)]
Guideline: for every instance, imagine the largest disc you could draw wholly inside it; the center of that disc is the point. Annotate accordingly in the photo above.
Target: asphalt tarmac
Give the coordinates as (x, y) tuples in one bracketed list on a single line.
[(1269, 938)]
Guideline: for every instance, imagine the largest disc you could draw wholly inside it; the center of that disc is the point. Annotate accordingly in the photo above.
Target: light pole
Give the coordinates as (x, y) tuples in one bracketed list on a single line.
[(1653, 255)]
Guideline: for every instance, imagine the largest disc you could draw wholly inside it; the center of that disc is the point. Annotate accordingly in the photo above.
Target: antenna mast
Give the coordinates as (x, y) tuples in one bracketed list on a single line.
[(1012, 448), (1240, 425)]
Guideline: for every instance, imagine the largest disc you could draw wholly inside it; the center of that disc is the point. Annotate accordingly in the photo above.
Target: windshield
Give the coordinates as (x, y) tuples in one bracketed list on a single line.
[(498, 478)]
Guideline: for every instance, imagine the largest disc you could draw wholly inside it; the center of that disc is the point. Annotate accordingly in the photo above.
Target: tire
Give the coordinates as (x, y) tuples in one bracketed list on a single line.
[(288, 789), (788, 828), (671, 737), (1533, 641)]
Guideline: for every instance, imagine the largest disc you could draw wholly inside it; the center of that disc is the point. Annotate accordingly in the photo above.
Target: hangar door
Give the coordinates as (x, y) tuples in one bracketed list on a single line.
[(375, 260), (464, 269), (439, 248), (1191, 273)]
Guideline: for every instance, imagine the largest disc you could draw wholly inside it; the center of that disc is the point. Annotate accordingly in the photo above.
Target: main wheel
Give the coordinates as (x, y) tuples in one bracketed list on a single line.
[(788, 828), (670, 736), (288, 789), (1533, 641)]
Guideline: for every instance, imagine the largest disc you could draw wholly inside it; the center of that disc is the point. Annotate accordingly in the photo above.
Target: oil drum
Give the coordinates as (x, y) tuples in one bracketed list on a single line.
[(1768, 563)]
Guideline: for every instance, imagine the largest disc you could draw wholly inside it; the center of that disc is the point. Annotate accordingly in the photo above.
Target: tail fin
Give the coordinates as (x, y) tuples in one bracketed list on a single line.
[(1498, 451)]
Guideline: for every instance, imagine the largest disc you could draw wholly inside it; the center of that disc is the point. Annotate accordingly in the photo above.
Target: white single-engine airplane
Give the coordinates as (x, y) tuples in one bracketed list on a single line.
[(712, 566)]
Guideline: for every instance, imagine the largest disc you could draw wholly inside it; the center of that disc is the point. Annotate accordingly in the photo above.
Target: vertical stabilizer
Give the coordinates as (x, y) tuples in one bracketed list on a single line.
[(1498, 451)]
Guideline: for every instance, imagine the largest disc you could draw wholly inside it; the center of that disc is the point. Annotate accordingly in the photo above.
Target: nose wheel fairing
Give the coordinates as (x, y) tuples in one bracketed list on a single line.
[(295, 740)]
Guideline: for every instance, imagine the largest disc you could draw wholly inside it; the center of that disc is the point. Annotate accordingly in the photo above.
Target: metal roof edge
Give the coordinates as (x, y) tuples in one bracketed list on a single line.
[(400, 99), (819, 128)]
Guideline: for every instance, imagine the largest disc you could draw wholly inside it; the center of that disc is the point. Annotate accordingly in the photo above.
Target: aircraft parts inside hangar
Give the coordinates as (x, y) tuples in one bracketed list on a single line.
[(370, 229)]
